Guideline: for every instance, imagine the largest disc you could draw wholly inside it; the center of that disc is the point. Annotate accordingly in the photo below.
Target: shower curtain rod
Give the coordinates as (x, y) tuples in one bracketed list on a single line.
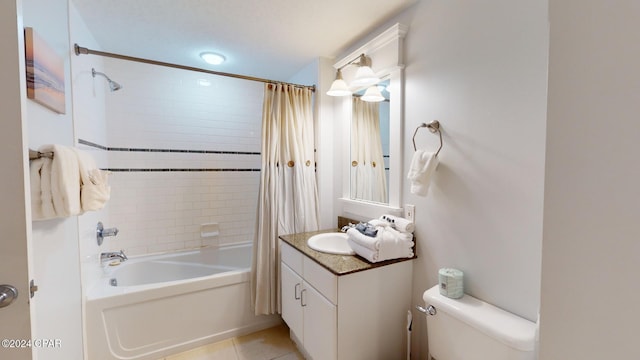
[(79, 50)]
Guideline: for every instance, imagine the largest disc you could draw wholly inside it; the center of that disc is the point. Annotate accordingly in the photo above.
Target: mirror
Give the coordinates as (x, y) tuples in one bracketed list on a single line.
[(369, 147), (385, 52)]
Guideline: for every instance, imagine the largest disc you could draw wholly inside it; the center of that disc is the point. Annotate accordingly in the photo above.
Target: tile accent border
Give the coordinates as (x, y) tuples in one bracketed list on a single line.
[(107, 148)]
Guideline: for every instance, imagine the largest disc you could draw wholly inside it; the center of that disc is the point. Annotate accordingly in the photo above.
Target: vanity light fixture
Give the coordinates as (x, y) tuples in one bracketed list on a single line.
[(339, 87), (372, 94), (364, 77), (213, 58)]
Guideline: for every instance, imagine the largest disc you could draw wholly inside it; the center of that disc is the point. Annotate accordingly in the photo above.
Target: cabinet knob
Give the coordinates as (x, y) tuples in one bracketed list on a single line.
[(302, 302)]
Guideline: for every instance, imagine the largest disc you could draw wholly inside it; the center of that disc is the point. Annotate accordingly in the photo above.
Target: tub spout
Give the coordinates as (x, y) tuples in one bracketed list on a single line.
[(108, 256)]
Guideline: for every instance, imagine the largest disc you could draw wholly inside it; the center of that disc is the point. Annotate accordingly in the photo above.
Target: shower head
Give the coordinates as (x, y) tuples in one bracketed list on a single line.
[(114, 86)]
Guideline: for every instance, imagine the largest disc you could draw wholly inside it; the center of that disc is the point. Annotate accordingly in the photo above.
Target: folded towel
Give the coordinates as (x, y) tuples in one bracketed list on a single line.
[(399, 223), (378, 255), (65, 180), (395, 245), (94, 191), (35, 169), (46, 195), (423, 164), (386, 240), (369, 242), (370, 255)]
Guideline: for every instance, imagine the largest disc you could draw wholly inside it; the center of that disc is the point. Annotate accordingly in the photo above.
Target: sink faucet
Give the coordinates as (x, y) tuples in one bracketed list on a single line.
[(108, 256), (347, 227)]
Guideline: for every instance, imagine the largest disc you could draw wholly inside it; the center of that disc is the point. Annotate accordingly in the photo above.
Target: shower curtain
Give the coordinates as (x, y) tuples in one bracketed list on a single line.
[(368, 177), (288, 197)]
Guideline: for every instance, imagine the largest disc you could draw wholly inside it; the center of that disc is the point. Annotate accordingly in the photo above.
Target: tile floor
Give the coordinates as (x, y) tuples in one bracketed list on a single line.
[(270, 344)]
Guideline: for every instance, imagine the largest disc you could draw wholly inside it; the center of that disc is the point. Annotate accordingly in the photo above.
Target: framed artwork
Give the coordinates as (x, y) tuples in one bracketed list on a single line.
[(45, 72)]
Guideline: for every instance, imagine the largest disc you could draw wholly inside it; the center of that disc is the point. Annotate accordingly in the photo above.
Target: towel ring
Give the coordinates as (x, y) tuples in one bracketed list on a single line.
[(433, 126)]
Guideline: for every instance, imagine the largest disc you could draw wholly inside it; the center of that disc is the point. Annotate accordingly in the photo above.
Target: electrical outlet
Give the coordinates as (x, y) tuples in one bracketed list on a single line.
[(410, 212)]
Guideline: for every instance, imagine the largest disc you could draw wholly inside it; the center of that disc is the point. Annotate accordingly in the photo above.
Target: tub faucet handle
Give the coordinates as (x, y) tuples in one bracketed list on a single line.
[(102, 233)]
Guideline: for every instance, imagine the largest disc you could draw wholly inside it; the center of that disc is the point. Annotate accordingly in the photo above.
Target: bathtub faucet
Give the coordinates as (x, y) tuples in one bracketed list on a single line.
[(108, 256), (102, 233)]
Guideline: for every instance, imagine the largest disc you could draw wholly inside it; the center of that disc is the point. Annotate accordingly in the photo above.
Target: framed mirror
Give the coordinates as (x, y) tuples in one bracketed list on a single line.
[(363, 185)]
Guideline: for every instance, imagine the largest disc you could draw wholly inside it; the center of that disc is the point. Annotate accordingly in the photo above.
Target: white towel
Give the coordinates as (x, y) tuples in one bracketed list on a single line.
[(423, 164), (35, 169), (370, 255), (395, 245), (387, 244), (95, 194), (94, 190), (65, 180), (369, 242), (386, 240), (401, 224), (46, 195), (379, 255)]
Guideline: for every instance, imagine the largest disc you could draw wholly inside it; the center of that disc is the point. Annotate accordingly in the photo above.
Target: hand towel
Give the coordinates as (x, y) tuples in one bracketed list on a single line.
[(65, 180), (35, 168), (94, 188), (95, 194), (423, 165), (48, 209), (401, 224)]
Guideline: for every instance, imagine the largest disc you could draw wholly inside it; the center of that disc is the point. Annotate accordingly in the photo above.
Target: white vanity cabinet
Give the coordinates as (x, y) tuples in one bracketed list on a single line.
[(358, 315)]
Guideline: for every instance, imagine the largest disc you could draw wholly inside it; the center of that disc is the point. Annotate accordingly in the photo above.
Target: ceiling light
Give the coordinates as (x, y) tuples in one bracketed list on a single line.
[(213, 58), (364, 77), (372, 95)]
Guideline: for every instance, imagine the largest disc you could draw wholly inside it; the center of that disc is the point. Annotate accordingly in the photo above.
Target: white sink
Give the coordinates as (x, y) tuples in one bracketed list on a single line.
[(331, 243)]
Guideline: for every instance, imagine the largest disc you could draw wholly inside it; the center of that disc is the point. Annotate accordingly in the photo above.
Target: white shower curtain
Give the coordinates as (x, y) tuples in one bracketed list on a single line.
[(288, 196), (368, 177)]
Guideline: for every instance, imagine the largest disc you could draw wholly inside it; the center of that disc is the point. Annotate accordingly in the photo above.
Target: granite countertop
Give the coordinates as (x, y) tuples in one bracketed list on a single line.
[(337, 264)]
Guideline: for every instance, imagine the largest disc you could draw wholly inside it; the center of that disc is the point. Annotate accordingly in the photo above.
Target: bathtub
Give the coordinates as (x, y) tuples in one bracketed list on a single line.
[(153, 306)]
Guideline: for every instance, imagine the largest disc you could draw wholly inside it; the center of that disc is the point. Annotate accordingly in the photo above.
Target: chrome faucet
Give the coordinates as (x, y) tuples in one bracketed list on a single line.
[(113, 255), (102, 233)]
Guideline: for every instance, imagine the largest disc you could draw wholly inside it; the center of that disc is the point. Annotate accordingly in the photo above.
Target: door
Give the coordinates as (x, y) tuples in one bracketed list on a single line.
[(320, 324), (291, 286), (15, 331)]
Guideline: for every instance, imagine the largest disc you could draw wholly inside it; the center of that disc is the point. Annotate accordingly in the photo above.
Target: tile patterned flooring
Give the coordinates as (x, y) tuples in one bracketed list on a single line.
[(270, 344)]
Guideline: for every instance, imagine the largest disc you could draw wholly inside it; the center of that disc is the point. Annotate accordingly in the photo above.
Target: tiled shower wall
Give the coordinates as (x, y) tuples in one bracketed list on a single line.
[(184, 150)]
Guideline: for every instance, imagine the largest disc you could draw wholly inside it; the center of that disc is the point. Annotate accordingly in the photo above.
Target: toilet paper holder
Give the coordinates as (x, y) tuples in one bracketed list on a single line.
[(430, 310)]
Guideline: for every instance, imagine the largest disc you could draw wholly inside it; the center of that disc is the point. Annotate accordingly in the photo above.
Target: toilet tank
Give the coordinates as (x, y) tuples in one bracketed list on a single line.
[(471, 329)]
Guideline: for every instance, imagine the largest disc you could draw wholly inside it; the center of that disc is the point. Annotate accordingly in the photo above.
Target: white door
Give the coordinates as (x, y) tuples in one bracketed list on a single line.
[(15, 319), (320, 324), (291, 286)]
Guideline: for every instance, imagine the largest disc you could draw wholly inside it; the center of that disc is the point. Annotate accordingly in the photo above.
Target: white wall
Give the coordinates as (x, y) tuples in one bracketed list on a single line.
[(55, 242), (89, 124), (164, 108), (591, 247), (480, 68)]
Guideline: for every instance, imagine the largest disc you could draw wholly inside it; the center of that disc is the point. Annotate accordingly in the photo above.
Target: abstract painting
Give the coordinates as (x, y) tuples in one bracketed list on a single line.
[(45, 72)]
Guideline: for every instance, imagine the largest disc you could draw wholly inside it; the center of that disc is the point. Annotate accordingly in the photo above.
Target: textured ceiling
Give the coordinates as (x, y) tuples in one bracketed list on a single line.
[(265, 38)]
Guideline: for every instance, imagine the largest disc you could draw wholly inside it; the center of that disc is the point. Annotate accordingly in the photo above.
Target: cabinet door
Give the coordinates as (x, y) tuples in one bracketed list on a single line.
[(291, 286), (320, 325)]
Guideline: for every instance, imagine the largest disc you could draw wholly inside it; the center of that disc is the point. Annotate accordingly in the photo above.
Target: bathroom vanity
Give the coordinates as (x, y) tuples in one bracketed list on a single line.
[(341, 306)]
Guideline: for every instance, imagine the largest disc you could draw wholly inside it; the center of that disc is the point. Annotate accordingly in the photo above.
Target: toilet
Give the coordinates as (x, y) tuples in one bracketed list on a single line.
[(471, 329)]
